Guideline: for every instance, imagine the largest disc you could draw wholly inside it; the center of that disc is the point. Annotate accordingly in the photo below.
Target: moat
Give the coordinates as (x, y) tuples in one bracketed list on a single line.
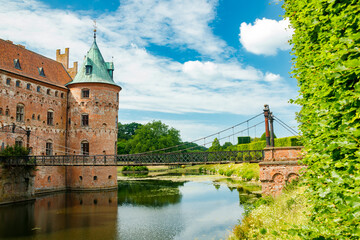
[(140, 209)]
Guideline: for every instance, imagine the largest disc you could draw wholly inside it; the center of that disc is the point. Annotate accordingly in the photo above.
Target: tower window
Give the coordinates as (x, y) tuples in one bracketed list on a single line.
[(84, 120), (85, 93), (38, 88), (88, 69), (7, 112), (33, 117), (48, 92), (56, 93), (38, 117), (85, 148), (28, 86), (8, 81), (17, 83), (50, 117), (49, 148), (20, 113), (17, 64)]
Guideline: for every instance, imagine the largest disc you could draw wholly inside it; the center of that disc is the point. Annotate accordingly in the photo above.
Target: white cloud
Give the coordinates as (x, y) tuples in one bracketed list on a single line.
[(266, 36), (271, 77), (152, 83)]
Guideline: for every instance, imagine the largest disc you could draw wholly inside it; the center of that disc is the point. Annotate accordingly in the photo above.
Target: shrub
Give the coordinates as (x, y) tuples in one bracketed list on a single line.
[(135, 169)]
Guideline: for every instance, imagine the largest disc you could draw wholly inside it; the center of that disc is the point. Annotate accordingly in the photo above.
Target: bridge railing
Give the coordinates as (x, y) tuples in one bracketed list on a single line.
[(60, 160), (136, 159), (191, 157)]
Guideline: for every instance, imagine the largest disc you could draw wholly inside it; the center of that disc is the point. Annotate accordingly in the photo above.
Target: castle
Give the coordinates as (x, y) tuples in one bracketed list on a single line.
[(68, 112)]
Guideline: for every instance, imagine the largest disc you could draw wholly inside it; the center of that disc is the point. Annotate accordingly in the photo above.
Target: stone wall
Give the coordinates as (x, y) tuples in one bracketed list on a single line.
[(16, 183), (91, 177), (50, 178), (280, 166)]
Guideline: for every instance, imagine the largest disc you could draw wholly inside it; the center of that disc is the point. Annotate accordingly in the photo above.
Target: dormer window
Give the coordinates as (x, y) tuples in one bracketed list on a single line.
[(17, 64), (88, 69), (110, 71), (41, 71)]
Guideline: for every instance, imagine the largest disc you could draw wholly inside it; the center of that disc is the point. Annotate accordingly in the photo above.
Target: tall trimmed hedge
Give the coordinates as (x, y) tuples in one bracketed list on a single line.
[(326, 44), (259, 145)]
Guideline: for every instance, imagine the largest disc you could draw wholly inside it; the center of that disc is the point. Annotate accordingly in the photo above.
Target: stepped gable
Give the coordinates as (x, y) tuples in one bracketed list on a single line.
[(30, 62)]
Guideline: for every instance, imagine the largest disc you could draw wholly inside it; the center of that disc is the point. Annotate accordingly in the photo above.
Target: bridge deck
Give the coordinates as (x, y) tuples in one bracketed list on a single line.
[(192, 158)]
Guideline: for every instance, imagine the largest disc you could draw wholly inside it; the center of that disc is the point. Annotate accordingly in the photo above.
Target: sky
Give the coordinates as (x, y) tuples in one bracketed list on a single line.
[(199, 66)]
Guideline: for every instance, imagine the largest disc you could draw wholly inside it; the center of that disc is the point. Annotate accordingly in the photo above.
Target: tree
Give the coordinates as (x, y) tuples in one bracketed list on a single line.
[(227, 145), (215, 146), (126, 131), (153, 136), (263, 136), (14, 151)]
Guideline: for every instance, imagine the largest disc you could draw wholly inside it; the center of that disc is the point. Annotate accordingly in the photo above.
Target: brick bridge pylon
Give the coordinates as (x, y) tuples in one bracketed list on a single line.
[(280, 164)]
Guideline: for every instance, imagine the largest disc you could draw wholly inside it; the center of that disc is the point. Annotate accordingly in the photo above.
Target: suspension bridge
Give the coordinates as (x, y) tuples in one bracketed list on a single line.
[(174, 155)]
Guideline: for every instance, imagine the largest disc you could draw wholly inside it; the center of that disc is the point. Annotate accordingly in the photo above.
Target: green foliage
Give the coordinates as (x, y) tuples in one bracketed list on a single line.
[(246, 171), (215, 146), (326, 44), (263, 136), (279, 142), (135, 169), (273, 218), (126, 131), (153, 136), (192, 147), (226, 145), (14, 151)]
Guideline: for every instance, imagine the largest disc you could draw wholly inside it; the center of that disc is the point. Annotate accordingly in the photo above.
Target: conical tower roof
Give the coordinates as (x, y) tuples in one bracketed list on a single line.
[(99, 72)]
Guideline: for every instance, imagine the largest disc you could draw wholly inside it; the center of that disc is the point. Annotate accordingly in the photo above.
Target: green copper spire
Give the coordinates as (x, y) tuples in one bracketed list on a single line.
[(94, 69)]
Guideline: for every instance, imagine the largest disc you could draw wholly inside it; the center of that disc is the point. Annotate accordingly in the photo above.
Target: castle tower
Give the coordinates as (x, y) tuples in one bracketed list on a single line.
[(93, 104), (93, 107)]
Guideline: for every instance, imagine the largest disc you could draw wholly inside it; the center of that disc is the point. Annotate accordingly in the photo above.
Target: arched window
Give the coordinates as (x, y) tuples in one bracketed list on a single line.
[(19, 142), (7, 112), (38, 89), (38, 117), (17, 83), (28, 86), (49, 147), (62, 95), (8, 81), (85, 93), (33, 117), (56, 93), (85, 147), (48, 92), (20, 112), (85, 120), (50, 117)]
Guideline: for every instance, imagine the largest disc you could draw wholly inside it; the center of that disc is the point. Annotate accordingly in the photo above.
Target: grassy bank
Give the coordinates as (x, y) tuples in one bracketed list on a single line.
[(245, 171), (273, 218)]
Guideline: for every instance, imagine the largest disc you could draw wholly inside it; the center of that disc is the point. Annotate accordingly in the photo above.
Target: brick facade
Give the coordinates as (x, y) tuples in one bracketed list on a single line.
[(34, 95), (279, 167)]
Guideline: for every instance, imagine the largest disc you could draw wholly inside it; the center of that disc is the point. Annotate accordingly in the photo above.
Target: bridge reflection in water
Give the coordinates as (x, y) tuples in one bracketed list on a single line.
[(173, 158)]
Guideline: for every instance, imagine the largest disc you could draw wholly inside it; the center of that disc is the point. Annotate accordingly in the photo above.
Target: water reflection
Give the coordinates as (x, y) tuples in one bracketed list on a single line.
[(142, 209), (154, 193), (58, 215)]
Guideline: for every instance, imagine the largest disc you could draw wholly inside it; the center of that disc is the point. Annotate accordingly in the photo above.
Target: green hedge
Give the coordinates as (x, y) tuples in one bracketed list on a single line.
[(135, 169), (259, 145), (326, 63)]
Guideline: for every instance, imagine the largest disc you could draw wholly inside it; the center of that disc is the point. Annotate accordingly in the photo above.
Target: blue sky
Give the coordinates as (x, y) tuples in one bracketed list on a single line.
[(197, 65)]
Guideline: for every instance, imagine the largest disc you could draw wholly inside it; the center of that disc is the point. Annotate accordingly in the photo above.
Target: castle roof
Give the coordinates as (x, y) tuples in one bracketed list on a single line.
[(99, 71), (18, 60)]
